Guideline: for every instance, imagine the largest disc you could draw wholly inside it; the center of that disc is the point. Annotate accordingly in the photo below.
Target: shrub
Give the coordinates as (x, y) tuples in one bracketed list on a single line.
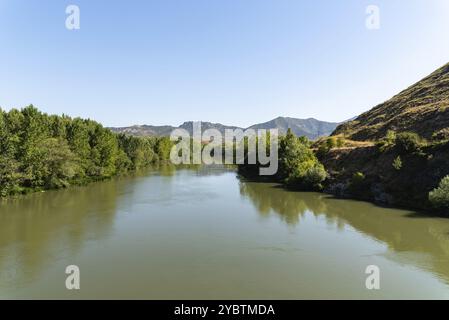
[(439, 197), (324, 146), (331, 142), (322, 150), (387, 142), (315, 175), (408, 142), (442, 134), (397, 163), (358, 185), (357, 178), (340, 142), (298, 166)]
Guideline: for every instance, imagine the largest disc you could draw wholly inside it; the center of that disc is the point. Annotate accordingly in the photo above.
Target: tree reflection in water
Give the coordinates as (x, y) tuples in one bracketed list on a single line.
[(406, 233)]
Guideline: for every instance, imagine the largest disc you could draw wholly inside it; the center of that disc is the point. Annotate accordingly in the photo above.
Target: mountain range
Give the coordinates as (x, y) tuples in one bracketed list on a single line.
[(310, 127)]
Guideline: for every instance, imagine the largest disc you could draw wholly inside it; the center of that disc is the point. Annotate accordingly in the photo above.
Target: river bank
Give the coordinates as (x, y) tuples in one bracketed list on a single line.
[(366, 173)]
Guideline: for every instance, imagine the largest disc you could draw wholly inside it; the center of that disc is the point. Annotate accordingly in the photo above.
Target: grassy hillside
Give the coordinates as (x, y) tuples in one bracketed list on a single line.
[(423, 108)]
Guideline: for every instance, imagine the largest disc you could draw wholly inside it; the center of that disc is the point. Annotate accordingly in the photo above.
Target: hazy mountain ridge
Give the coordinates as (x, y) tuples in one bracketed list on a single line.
[(145, 130), (422, 108), (188, 125), (312, 128)]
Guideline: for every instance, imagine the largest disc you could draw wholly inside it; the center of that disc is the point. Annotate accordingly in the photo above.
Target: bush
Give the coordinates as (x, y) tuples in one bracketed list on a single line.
[(439, 197), (397, 163), (322, 150), (315, 175), (357, 185), (340, 142), (357, 178), (387, 142), (331, 142), (408, 142), (442, 134), (298, 166), (324, 146)]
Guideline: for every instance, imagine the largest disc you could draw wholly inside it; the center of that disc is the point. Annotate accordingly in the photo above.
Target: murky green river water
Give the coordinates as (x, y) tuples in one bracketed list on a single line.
[(205, 234)]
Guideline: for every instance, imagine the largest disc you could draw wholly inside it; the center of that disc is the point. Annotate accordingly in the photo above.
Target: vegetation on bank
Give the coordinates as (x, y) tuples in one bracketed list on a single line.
[(40, 151), (395, 154), (298, 168), (401, 169), (439, 197)]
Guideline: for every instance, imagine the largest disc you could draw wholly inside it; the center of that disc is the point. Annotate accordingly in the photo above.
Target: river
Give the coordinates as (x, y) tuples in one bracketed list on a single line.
[(206, 234)]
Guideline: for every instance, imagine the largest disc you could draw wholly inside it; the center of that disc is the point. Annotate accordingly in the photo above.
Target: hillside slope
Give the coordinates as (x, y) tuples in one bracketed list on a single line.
[(422, 108)]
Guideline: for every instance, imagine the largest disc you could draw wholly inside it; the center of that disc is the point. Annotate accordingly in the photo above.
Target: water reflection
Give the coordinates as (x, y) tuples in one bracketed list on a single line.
[(286, 204), (418, 240), (36, 227), (168, 169), (182, 232)]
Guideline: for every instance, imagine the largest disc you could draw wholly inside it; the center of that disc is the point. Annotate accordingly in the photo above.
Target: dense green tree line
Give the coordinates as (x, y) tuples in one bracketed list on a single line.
[(40, 151)]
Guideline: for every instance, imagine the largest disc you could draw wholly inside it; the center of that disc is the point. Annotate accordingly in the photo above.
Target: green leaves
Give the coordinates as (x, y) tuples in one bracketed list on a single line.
[(38, 151), (397, 163), (439, 197), (298, 165)]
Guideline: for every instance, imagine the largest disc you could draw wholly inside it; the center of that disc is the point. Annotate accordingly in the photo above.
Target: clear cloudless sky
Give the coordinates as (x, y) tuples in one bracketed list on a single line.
[(236, 62)]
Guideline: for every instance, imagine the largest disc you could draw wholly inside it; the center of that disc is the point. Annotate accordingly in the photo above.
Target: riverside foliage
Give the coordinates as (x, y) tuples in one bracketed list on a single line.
[(299, 168), (40, 151)]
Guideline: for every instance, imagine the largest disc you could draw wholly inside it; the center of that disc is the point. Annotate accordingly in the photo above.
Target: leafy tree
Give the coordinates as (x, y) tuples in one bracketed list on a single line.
[(38, 151), (11, 179), (59, 164), (163, 148), (298, 165)]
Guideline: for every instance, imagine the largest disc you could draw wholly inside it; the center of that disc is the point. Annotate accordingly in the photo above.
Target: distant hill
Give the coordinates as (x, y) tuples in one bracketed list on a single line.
[(207, 125), (422, 108), (145, 130), (311, 128), (160, 131)]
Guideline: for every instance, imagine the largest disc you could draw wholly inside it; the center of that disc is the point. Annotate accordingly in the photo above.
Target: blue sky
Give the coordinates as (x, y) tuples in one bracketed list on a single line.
[(235, 62)]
